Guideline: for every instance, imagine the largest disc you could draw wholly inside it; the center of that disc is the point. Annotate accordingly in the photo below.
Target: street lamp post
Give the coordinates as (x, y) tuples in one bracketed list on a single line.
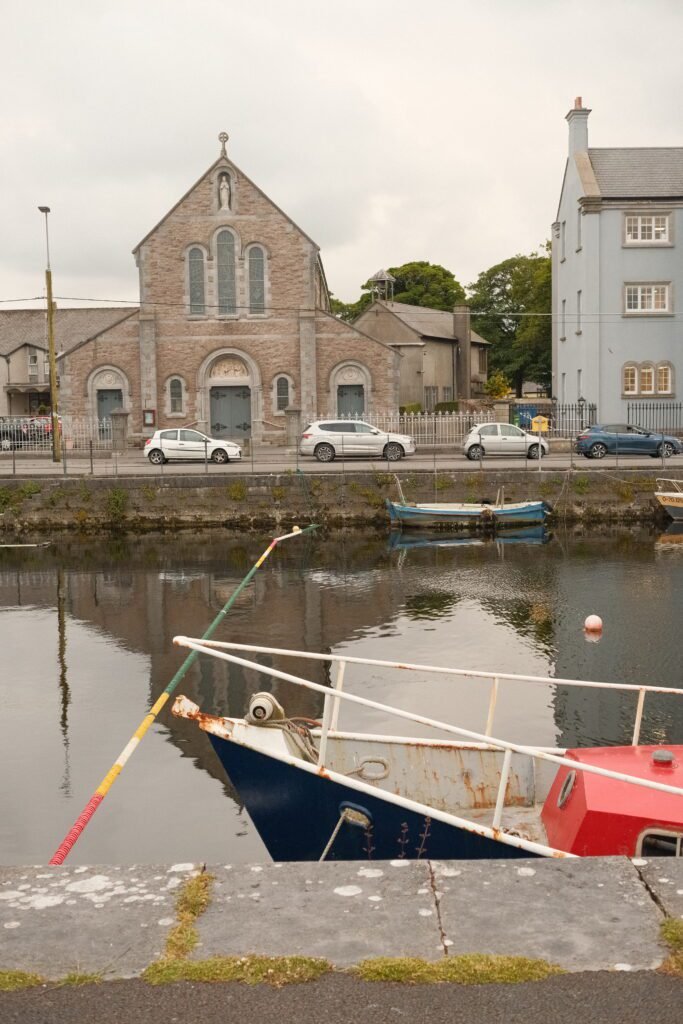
[(56, 436)]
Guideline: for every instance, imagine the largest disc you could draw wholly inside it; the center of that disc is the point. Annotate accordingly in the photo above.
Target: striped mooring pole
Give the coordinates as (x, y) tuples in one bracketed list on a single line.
[(107, 782)]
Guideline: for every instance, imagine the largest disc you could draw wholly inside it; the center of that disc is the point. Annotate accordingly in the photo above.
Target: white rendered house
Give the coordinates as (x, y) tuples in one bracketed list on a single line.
[(617, 260)]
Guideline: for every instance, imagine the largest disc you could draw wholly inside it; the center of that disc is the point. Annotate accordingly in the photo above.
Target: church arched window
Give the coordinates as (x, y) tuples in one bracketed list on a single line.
[(257, 285), (225, 265), (175, 389), (282, 393), (196, 275)]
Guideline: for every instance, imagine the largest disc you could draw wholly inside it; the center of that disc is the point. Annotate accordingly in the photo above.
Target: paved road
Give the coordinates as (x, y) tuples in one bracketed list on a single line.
[(278, 460), (590, 998)]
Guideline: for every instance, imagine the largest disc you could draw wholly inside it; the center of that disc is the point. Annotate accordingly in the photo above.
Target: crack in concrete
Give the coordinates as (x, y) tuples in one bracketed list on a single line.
[(650, 891), (437, 907)]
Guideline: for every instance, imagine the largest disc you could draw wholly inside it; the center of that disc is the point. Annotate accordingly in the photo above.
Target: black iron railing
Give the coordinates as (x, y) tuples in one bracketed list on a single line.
[(656, 416)]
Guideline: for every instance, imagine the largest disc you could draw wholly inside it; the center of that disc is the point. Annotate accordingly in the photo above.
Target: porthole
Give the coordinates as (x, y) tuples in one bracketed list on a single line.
[(567, 787)]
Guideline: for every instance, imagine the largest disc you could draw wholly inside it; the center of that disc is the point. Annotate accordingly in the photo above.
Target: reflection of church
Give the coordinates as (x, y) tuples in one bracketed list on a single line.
[(234, 326)]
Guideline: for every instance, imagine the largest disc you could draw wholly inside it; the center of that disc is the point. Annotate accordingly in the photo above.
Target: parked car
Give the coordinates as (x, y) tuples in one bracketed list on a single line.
[(11, 434), (625, 439), (328, 438), (189, 445), (503, 439)]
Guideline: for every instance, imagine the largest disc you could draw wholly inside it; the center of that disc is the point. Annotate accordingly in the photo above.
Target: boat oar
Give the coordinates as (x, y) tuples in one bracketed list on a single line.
[(98, 796)]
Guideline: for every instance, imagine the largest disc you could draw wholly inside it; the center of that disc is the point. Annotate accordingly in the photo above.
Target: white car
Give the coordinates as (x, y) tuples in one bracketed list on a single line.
[(326, 439), (502, 439), (189, 445)]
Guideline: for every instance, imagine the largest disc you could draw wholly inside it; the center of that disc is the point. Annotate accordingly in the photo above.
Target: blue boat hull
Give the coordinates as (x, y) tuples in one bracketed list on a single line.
[(485, 515), (296, 812)]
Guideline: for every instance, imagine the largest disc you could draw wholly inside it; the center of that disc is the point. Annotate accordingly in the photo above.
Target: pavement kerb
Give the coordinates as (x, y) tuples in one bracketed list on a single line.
[(113, 922)]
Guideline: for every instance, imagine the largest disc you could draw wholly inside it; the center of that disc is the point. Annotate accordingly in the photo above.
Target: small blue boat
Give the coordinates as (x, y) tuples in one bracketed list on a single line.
[(484, 514), (399, 541)]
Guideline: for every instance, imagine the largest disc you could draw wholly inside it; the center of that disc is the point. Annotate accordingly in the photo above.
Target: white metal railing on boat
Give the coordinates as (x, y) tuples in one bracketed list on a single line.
[(495, 678), (219, 649), (674, 485)]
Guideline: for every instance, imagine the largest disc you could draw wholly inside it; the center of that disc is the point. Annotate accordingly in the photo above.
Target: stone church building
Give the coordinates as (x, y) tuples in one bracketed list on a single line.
[(233, 328)]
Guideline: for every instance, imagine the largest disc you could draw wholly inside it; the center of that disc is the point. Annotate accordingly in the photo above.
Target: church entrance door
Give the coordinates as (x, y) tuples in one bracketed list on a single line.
[(231, 412), (350, 400), (108, 399)]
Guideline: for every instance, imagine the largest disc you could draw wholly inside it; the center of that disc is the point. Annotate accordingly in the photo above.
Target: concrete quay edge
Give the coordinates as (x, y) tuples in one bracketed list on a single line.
[(584, 915)]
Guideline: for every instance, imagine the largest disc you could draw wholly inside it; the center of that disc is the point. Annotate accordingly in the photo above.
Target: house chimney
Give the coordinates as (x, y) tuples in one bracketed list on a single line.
[(463, 337), (578, 127)]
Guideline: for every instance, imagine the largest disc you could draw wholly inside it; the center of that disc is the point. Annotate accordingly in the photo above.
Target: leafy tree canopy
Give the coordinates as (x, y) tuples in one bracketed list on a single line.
[(418, 284), (511, 305)]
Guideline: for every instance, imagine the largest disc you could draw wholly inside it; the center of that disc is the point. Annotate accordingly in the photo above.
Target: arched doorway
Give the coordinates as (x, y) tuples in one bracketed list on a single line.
[(349, 390), (230, 398)]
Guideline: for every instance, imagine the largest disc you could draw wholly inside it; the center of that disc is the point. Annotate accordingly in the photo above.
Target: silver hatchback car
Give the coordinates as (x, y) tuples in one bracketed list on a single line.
[(326, 439), (503, 439)]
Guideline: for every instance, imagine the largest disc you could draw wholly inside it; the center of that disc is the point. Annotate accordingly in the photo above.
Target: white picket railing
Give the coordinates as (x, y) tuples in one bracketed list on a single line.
[(427, 428)]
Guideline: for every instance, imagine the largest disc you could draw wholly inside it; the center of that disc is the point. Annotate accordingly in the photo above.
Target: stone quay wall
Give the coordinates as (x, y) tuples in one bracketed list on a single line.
[(280, 500)]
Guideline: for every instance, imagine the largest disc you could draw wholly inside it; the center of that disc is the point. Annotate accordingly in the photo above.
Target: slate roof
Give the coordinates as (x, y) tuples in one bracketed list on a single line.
[(72, 326), (429, 323), (638, 173)]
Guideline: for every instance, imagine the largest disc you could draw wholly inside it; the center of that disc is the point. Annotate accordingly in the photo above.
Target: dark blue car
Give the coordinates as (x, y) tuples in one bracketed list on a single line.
[(624, 439)]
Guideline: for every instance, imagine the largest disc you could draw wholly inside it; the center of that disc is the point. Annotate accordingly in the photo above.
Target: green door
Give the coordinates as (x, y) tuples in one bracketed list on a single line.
[(231, 412), (108, 399), (350, 400)]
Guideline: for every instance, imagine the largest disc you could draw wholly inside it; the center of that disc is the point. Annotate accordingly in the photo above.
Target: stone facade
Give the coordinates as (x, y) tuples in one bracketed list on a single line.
[(233, 325)]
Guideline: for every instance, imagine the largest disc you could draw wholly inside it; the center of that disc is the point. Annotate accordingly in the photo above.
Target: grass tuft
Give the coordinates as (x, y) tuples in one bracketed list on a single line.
[(469, 969), (12, 981), (250, 970), (672, 933), (192, 901), (76, 979)]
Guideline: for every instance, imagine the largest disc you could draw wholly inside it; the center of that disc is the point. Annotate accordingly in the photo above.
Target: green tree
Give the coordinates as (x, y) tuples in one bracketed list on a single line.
[(418, 283), (511, 305)]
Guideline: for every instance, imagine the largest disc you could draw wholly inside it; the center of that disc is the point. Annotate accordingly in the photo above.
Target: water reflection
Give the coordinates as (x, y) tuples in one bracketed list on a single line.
[(105, 612)]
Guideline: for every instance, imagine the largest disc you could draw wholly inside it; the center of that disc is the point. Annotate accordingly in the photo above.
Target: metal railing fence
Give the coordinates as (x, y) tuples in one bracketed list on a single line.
[(429, 429), (565, 420), (33, 434), (656, 416)]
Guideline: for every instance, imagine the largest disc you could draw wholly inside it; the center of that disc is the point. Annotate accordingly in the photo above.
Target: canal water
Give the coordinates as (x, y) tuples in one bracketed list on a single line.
[(85, 639)]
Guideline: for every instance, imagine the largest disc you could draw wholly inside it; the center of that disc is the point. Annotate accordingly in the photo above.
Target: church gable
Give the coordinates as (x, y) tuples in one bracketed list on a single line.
[(223, 229)]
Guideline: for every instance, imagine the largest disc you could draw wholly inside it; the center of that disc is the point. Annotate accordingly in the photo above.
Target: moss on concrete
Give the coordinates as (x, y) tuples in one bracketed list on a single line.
[(192, 901), (12, 981), (468, 969), (672, 934), (250, 970)]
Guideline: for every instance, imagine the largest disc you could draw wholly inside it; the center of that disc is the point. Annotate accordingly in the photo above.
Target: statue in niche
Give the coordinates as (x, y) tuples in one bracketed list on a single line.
[(224, 192)]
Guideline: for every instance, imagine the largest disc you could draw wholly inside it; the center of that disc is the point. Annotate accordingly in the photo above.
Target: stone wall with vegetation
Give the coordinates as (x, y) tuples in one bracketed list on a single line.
[(330, 499)]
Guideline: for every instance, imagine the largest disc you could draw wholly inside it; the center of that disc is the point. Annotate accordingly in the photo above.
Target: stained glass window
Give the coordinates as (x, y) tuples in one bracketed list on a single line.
[(225, 261), (196, 258), (257, 291), (282, 393), (176, 392)]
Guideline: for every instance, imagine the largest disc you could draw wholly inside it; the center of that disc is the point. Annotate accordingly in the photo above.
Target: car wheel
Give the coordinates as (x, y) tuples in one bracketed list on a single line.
[(535, 452), (475, 452), (6, 444), (393, 452), (598, 450), (666, 449), (156, 457), (324, 453), (219, 456)]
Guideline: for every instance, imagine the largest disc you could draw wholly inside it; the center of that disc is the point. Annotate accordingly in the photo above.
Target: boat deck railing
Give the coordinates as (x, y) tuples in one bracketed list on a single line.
[(665, 484), (333, 697)]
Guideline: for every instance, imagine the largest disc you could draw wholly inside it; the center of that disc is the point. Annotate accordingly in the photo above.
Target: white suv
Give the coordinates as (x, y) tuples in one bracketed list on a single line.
[(502, 439), (190, 445), (326, 439)]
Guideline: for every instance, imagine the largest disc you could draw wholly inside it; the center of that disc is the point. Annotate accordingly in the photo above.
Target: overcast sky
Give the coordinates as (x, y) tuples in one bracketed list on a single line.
[(388, 131)]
